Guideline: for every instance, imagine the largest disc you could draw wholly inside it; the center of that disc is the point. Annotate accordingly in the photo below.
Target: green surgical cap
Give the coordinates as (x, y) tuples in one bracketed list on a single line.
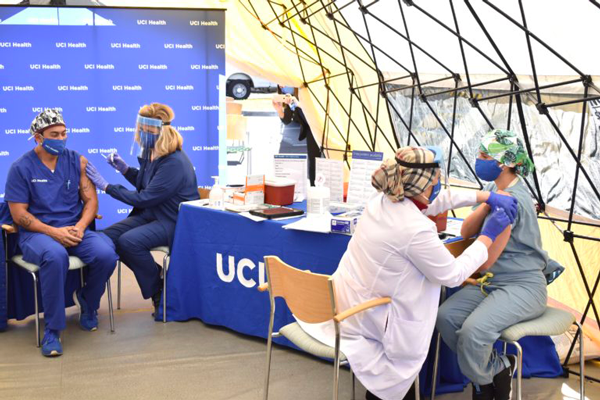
[(506, 148)]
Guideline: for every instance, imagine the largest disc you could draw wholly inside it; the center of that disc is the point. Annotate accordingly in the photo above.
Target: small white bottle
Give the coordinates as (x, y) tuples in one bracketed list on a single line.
[(216, 195), (317, 203)]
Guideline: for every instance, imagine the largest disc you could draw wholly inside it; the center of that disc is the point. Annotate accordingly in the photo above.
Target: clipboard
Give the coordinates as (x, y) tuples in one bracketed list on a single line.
[(277, 212)]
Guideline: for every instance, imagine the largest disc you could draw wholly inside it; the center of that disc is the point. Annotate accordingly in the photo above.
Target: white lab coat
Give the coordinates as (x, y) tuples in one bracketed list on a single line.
[(395, 252)]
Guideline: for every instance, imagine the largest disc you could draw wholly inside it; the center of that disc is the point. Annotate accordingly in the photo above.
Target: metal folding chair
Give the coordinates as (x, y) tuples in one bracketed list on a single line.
[(551, 323), (167, 255), (74, 264)]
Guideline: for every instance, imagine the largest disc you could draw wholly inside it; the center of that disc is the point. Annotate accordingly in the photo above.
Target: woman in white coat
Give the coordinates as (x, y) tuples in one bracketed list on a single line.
[(396, 252)]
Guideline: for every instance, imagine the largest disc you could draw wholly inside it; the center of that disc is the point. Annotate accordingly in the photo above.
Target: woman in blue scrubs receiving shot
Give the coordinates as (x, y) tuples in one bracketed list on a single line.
[(165, 178), (471, 320)]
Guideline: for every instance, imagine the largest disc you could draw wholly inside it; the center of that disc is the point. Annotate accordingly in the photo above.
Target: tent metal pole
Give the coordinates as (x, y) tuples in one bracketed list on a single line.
[(590, 303), (458, 89), (564, 103), (575, 158), (538, 190), (505, 15), (530, 51), (579, 151), (462, 39)]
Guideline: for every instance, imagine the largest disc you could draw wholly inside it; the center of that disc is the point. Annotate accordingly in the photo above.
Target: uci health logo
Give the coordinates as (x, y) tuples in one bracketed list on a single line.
[(35, 180), (4, 153), (40, 109), (238, 271)]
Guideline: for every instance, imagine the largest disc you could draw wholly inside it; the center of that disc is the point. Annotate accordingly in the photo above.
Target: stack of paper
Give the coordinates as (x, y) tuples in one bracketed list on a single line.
[(320, 224)]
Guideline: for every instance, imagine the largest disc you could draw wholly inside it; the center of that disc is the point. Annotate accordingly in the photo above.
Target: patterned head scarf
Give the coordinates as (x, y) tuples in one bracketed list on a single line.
[(506, 148), (397, 181), (47, 118)]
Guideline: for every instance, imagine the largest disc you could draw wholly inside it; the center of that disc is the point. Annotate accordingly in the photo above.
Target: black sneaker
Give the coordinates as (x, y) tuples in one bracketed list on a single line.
[(410, 395), (371, 396), (503, 380), (485, 392)]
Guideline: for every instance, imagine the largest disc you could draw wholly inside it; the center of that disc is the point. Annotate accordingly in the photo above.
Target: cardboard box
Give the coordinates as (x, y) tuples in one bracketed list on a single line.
[(344, 225), (254, 192)]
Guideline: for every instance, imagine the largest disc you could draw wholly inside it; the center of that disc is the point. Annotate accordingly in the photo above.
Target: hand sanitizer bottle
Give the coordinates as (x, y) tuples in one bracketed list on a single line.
[(215, 197)]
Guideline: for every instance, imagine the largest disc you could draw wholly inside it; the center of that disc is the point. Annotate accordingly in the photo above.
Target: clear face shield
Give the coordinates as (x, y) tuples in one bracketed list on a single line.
[(440, 161), (442, 177), (147, 132)]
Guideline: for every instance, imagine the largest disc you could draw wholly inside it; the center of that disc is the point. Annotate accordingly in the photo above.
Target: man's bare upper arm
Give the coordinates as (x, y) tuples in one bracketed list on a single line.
[(87, 190), (20, 215)]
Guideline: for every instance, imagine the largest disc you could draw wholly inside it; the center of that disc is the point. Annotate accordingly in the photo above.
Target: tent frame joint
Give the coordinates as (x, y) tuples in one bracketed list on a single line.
[(542, 108), (569, 236), (586, 80)]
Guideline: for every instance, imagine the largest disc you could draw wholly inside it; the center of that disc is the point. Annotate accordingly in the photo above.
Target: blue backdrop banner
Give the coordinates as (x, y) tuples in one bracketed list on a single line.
[(99, 66)]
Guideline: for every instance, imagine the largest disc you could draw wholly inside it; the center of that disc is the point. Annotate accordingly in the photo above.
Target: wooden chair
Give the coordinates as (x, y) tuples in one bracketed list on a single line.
[(311, 298), (75, 263), (203, 193)]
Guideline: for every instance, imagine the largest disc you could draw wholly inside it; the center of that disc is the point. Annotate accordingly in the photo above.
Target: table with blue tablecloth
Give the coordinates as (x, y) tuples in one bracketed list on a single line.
[(217, 264)]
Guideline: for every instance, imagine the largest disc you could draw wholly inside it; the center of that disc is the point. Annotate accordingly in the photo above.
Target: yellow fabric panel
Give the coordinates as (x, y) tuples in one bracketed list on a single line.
[(569, 288)]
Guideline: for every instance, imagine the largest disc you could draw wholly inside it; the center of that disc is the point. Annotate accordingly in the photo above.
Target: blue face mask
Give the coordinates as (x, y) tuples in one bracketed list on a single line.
[(435, 191), (147, 139), (287, 90), (54, 146), (488, 170)]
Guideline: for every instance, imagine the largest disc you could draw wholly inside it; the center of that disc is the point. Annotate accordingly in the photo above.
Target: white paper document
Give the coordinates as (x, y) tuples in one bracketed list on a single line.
[(364, 163), (331, 172), (196, 203), (293, 166), (252, 217), (453, 226), (321, 224)]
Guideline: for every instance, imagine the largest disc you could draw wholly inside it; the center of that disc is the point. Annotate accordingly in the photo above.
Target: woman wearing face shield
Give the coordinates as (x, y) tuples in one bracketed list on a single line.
[(471, 320), (165, 178), (395, 252)]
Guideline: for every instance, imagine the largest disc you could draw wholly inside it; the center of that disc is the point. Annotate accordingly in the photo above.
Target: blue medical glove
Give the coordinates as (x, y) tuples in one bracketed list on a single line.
[(95, 176), (496, 224), (507, 203), (115, 161)]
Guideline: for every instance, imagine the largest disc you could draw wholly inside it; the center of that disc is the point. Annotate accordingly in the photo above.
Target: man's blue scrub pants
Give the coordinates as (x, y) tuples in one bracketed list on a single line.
[(96, 251)]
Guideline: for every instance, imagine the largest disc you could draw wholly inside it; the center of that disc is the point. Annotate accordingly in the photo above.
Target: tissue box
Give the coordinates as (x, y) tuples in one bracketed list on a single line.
[(343, 225)]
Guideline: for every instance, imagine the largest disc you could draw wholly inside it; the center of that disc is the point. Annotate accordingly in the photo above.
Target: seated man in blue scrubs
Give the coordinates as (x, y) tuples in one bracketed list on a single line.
[(53, 202)]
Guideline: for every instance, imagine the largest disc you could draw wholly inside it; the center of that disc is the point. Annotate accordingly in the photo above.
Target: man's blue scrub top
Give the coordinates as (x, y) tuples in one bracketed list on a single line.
[(53, 197)]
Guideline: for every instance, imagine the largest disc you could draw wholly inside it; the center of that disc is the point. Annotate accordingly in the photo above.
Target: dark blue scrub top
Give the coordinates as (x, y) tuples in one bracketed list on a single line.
[(161, 185), (53, 197)]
